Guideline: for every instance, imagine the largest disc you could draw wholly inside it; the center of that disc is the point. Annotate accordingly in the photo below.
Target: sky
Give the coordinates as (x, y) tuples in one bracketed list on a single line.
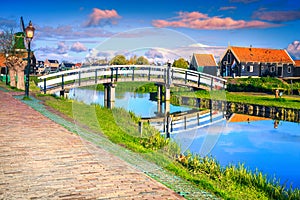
[(87, 30)]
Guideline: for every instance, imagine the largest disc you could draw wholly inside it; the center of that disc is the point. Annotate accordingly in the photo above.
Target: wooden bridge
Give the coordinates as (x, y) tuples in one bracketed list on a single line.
[(92, 75)]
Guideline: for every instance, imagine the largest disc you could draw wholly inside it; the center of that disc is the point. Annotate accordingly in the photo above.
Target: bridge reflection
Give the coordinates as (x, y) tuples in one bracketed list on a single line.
[(173, 123)]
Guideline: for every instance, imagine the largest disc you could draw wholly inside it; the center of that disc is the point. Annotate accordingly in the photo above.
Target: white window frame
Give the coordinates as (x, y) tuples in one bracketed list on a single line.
[(289, 69), (250, 68)]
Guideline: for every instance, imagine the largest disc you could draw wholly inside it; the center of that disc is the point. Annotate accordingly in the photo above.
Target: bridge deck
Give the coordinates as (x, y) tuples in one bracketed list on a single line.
[(107, 74), (42, 160)]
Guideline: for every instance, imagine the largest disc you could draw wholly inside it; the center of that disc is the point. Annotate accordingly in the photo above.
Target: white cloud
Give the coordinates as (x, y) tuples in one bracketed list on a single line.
[(294, 49), (78, 47)]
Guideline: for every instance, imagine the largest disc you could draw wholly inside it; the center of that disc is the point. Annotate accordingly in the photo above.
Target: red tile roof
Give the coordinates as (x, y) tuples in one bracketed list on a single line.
[(297, 63), (205, 60), (245, 118), (250, 54)]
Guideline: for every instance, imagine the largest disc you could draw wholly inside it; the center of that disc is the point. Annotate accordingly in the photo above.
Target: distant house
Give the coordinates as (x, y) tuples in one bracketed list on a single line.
[(2, 63), (66, 66), (78, 65), (51, 63), (205, 63), (297, 68), (249, 61), (40, 66)]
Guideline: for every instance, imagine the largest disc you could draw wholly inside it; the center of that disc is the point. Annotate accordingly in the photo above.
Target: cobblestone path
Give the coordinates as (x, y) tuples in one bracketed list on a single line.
[(40, 159)]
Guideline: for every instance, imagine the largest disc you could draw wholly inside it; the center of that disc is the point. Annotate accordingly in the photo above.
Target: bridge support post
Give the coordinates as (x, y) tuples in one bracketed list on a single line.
[(109, 95)]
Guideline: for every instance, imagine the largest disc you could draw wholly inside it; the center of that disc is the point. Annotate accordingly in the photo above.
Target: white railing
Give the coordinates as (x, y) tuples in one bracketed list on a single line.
[(123, 73)]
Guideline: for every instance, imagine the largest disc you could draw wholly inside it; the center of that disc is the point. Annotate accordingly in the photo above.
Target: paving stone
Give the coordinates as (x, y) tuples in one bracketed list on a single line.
[(40, 159)]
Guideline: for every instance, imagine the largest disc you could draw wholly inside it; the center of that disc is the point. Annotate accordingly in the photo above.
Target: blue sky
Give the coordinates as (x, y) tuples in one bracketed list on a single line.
[(73, 29)]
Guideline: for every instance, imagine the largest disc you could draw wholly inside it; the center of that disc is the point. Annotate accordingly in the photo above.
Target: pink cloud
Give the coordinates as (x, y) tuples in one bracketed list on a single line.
[(99, 17), (196, 20), (277, 16), (78, 47)]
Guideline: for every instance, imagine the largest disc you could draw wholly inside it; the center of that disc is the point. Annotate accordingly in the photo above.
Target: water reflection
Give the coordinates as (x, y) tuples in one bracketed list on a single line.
[(258, 145), (271, 146)]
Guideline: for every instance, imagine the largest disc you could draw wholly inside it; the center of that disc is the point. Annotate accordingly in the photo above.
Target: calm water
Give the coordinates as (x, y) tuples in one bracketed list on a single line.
[(256, 144)]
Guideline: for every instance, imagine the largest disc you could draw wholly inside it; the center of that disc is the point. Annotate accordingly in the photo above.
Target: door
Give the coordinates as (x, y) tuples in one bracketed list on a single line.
[(279, 71)]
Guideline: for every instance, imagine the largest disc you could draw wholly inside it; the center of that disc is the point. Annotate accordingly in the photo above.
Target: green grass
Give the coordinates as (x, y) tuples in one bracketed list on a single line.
[(247, 98), (119, 126), (263, 84)]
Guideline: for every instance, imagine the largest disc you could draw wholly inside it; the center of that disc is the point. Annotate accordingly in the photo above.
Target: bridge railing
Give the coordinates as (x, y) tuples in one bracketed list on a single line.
[(115, 73)]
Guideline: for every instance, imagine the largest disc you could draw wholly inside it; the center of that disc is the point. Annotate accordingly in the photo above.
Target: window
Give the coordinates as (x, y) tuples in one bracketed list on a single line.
[(272, 69), (250, 68), (289, 69)]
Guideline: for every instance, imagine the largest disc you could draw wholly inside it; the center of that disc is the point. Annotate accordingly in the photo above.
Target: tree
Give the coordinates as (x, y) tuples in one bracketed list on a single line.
[(119, 60), (6, 38), (142, 61), (132, 60), (181, 63)]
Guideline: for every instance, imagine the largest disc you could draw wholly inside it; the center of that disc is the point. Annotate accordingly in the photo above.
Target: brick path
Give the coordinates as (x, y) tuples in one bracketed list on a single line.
[(40, 159)]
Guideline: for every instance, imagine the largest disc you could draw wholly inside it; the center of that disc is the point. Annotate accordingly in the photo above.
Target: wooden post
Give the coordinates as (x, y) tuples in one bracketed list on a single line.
[(62, 82), (140, 127), (149, 73), (96, 76), (133, 73), (45, 86)]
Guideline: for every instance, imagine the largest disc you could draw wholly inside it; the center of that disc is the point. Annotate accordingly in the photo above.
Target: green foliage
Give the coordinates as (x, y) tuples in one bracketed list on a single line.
[(142, 61), (181, 63), (118, 60), (239, 177), (263, 84)]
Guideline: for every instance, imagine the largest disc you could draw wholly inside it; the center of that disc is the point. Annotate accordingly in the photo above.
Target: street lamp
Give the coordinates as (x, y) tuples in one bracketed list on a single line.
[(29, 33)]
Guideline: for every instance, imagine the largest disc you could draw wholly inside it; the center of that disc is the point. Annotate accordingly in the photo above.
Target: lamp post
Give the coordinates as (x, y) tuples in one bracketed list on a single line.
[(29, 33)]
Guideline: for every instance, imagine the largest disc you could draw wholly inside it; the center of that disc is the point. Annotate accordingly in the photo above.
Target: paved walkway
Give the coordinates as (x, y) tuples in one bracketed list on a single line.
[(40, 159)]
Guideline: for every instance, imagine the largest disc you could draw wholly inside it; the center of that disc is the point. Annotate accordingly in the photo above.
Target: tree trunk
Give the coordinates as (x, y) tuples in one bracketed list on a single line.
[(20, 83), (12, 75), (20, 66)]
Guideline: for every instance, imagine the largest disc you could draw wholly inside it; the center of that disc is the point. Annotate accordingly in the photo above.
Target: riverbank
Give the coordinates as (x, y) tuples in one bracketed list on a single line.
[(210, 177), (223, 184)]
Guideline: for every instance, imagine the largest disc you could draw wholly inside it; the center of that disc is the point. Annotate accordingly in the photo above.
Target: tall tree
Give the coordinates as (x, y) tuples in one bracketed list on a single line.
[(6, 37), (142, 61), (118, 60), (181, 63)]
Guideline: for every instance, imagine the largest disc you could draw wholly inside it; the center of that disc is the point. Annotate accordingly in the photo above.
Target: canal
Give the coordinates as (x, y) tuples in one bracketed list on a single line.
[(272, 147)]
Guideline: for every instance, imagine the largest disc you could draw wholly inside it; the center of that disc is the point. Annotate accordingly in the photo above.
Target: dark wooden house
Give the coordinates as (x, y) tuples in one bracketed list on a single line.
[(249, 61), (297, 68)]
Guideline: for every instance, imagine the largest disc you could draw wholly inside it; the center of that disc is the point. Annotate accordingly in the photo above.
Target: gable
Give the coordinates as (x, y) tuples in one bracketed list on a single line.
[(261, 55), (297, 63), (205, 60)]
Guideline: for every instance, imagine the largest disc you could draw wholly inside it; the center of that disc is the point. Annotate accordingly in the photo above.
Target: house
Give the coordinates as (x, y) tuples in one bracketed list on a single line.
[(249, 61), (297, 68), (78, 65), (40, 66), (51, 63), (2, 63), (205, 63), (66, 66)]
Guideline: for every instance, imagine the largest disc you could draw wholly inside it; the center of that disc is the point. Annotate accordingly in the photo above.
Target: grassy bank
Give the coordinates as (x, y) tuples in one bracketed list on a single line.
[(247, 98), (263, 84), (232, 182)]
